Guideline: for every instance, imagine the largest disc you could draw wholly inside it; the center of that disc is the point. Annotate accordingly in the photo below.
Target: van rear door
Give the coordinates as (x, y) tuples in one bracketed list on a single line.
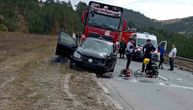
[(163, 44)]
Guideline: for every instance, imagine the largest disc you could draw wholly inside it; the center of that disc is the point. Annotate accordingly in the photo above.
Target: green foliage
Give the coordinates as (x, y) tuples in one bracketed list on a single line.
[(50, 17), (3, 27), (53, 16), (139, 20), (42, 18), (80, 7), (184, 26), (183, 44)]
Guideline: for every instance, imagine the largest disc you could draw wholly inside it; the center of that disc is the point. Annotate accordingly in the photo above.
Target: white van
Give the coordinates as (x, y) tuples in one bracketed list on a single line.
[(141, 39)]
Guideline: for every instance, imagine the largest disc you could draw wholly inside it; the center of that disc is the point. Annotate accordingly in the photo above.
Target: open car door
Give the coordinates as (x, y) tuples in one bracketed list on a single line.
[(163, 44), (66, 45)]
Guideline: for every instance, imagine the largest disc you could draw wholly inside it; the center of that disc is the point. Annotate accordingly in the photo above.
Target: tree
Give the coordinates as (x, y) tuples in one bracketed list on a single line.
[(80, 7), (69, 4)]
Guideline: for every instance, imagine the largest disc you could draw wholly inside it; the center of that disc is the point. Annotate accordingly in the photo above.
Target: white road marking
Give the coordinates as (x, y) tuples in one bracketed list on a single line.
[(176, 86), (183, 87), (178, 79), (165, 79), (162, 84), (133, 80)]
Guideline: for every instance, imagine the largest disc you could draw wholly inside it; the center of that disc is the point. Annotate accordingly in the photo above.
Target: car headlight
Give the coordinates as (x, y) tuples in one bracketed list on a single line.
[(138, 49), (77, 55)]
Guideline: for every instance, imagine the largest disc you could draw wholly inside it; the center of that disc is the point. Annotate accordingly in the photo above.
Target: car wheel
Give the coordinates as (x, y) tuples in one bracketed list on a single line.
[(99, 74), (112, 70), (72, 64)]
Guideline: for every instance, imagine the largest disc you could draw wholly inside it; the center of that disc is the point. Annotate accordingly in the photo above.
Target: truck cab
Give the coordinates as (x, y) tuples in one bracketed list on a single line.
[(102, 20)]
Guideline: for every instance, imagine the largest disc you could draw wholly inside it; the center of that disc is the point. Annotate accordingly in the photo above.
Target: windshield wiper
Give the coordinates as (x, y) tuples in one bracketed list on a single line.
[(108, 27), (96, 24)]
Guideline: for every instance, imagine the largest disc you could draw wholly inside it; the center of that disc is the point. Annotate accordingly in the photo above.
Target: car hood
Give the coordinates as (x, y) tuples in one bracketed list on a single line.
[(91, 53)]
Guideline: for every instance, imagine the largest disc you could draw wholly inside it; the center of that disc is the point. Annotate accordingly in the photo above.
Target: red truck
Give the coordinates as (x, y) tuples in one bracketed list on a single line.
[(102, 20)]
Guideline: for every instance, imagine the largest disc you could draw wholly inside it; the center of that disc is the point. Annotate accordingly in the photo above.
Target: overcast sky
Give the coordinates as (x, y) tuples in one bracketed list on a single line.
[(156, 9)]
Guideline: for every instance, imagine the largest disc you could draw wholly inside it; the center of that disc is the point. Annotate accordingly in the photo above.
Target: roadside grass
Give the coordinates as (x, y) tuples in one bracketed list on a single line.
[(30, 81), (21, 90)]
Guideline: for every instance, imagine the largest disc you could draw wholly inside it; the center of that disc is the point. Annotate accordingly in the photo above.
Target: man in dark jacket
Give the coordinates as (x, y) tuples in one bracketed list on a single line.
[(122, 48), (147, 51)]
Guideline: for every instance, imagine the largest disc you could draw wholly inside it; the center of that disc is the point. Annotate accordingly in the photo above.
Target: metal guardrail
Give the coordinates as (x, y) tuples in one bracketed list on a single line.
[(185, 59), (182, 58), (181, 66)]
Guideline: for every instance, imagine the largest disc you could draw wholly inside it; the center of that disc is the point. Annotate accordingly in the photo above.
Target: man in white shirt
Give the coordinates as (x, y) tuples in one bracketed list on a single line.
[(172, 56), (129, 52)]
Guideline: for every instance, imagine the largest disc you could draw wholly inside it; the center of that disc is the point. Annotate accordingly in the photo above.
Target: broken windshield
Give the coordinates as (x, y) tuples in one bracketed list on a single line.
[(103, 21)]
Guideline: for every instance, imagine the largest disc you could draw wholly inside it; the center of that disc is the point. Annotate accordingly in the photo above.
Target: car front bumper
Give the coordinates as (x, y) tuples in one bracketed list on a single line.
[(90, 65)]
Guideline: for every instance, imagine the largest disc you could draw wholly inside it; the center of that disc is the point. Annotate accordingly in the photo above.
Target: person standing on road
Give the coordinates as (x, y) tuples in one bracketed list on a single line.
[(172, 56), (122, 48), (162, 51), (129, 52), (147, 51)]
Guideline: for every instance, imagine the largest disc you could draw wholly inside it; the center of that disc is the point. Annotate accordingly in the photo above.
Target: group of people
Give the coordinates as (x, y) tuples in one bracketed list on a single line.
[(148, 49)]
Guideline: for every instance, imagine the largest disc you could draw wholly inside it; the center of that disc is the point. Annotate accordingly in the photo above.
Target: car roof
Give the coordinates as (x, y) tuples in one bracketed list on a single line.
[(101, 40), (146, 36)]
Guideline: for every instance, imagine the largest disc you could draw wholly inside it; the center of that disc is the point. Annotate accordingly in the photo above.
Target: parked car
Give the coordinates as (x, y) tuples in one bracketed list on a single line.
[(93, 53)]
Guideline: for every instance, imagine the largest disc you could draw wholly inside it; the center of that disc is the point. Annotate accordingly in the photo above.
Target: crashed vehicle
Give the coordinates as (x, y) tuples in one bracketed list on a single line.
[(103, 20), (93, 53)]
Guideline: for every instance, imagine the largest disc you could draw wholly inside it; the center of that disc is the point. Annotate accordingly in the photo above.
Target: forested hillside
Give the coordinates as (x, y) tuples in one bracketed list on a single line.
[(38, 17), (181, 26), (183, 44), (136, 19), (169, 31), (50, 17)]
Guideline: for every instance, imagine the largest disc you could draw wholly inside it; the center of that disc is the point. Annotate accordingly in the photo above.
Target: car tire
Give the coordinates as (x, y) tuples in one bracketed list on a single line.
[(72, 64), (100, 73), (112, 70)]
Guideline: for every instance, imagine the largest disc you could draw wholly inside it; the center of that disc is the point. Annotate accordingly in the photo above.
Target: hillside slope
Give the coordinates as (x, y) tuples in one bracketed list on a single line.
[(181, 26), (136, 19)]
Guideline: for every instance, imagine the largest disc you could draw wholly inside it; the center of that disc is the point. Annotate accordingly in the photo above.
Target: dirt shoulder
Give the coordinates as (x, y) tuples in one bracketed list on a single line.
[(29, 81)]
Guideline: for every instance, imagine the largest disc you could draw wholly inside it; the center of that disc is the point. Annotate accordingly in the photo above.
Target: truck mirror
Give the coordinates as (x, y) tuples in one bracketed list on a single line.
[(124, 25), (83, 16)]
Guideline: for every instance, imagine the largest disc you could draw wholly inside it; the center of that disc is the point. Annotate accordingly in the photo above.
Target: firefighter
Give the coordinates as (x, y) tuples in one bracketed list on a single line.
[(147, 52)]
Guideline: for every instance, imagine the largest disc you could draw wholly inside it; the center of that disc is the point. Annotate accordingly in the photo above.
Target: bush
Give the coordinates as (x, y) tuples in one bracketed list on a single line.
[(3, 27)]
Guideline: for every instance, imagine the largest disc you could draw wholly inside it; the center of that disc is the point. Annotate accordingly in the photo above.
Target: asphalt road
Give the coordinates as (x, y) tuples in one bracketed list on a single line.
[(173, 90)]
